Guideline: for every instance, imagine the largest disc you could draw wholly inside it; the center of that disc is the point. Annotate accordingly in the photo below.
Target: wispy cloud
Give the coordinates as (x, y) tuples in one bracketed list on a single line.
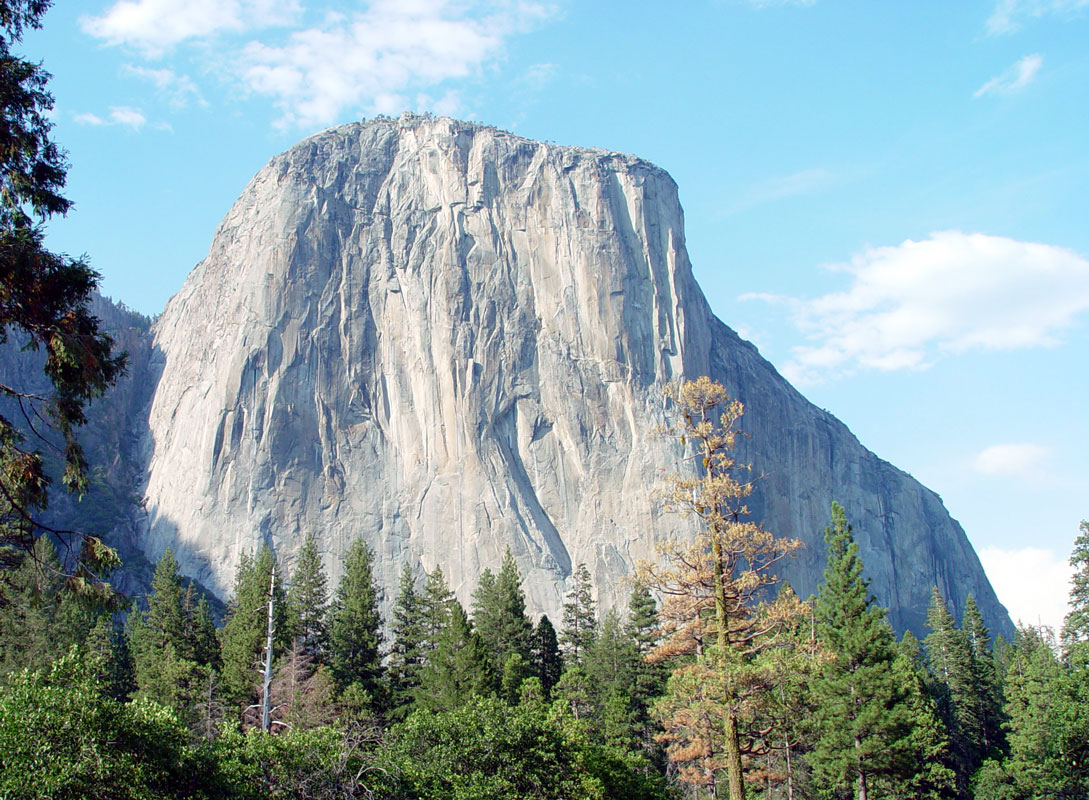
[(1039, 600), (119, 115), (387, 56), (1022, 460), (1008, 15), (1017, 77), (804, 182), (179, 90), (155, 26), (909, 304)]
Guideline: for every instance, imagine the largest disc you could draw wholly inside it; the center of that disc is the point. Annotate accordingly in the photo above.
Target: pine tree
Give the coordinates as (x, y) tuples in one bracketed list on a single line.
[(642, 630), (407, 655), (864, 712), (933, 776), (458, 669), (171, 653), (579, 618), (985, 685), (499, 615), (355, 630), (243, 636), (713, 588), (436, 599), (39, 619), (308, 600), (547, 663), (1037, 765), (1075, 633), (949, 658), (45, 308)]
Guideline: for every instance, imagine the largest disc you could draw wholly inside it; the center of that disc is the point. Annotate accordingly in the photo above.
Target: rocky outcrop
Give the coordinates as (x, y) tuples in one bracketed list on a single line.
[(449, 340)]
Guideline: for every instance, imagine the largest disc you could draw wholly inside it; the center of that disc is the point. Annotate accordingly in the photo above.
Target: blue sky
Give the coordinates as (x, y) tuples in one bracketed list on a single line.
[(887, 198)]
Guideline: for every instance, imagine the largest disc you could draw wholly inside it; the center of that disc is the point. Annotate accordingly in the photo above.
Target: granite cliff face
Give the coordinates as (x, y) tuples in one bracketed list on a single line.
[(450, 340)]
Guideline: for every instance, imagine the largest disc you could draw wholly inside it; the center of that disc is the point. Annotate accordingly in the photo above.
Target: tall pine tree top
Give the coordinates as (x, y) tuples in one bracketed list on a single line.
[(355, 632), (579, 618), (863, 699), (308, 599), (1075, 634), (499, 614)]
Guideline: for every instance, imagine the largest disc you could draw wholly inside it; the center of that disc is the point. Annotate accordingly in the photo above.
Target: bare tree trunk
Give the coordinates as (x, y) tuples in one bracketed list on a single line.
[(734, 776), (266, 703)]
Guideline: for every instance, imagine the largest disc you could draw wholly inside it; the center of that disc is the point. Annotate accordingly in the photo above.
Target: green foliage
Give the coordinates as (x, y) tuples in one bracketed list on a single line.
[(949, 657), (864, 711), (579, 618), (458, 669), (308, 600), (1075, 633), (242, 638), (62, 736), (355, 630), (39, 619), (547, 663), (486, 749), (499, 615), (321, 764), (44, 303), (407, 656)]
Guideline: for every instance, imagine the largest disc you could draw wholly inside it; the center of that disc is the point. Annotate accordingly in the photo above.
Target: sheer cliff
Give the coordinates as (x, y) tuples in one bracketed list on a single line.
[(450, 340)]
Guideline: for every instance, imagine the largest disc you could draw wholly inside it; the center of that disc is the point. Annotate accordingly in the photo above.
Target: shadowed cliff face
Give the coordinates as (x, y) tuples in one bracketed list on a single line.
[(450, 340)]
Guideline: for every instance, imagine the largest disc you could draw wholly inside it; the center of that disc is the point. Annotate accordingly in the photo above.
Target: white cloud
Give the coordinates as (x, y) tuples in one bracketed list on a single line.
[(155, 26), (374, 58), (1014, 79), (178, 89), (1016, 460), (119, 115), (1033, 583), (954, 292), (89, 119), (1008, 14)]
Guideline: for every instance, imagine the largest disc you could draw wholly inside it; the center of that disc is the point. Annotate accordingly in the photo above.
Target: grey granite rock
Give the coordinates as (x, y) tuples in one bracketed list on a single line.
[(450, 340)]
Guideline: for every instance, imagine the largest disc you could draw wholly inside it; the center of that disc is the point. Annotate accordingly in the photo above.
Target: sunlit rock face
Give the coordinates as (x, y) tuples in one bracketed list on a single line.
[(450, 341)]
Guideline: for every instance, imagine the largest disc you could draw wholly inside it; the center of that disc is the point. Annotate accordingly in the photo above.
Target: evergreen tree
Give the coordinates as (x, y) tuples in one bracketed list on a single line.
[(547, 663), (579, 618), (407, 656), (713, 589), (499, 615), (1037, 767), (171, 652), (949, 658), (985, 685), (243, 636), (355, 630), (436, 599), (39, 619), (1075, 633), (642, 630), (308, 600), (933, 776), (107, 654), (864, 711), (458, 669), (45, 308)]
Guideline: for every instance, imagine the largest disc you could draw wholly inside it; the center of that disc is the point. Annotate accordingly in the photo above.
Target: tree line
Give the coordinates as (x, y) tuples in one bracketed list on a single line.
[(718, 681)]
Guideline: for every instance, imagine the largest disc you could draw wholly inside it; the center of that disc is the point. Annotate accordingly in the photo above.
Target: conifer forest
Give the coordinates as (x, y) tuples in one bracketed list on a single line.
[(714, 679)]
